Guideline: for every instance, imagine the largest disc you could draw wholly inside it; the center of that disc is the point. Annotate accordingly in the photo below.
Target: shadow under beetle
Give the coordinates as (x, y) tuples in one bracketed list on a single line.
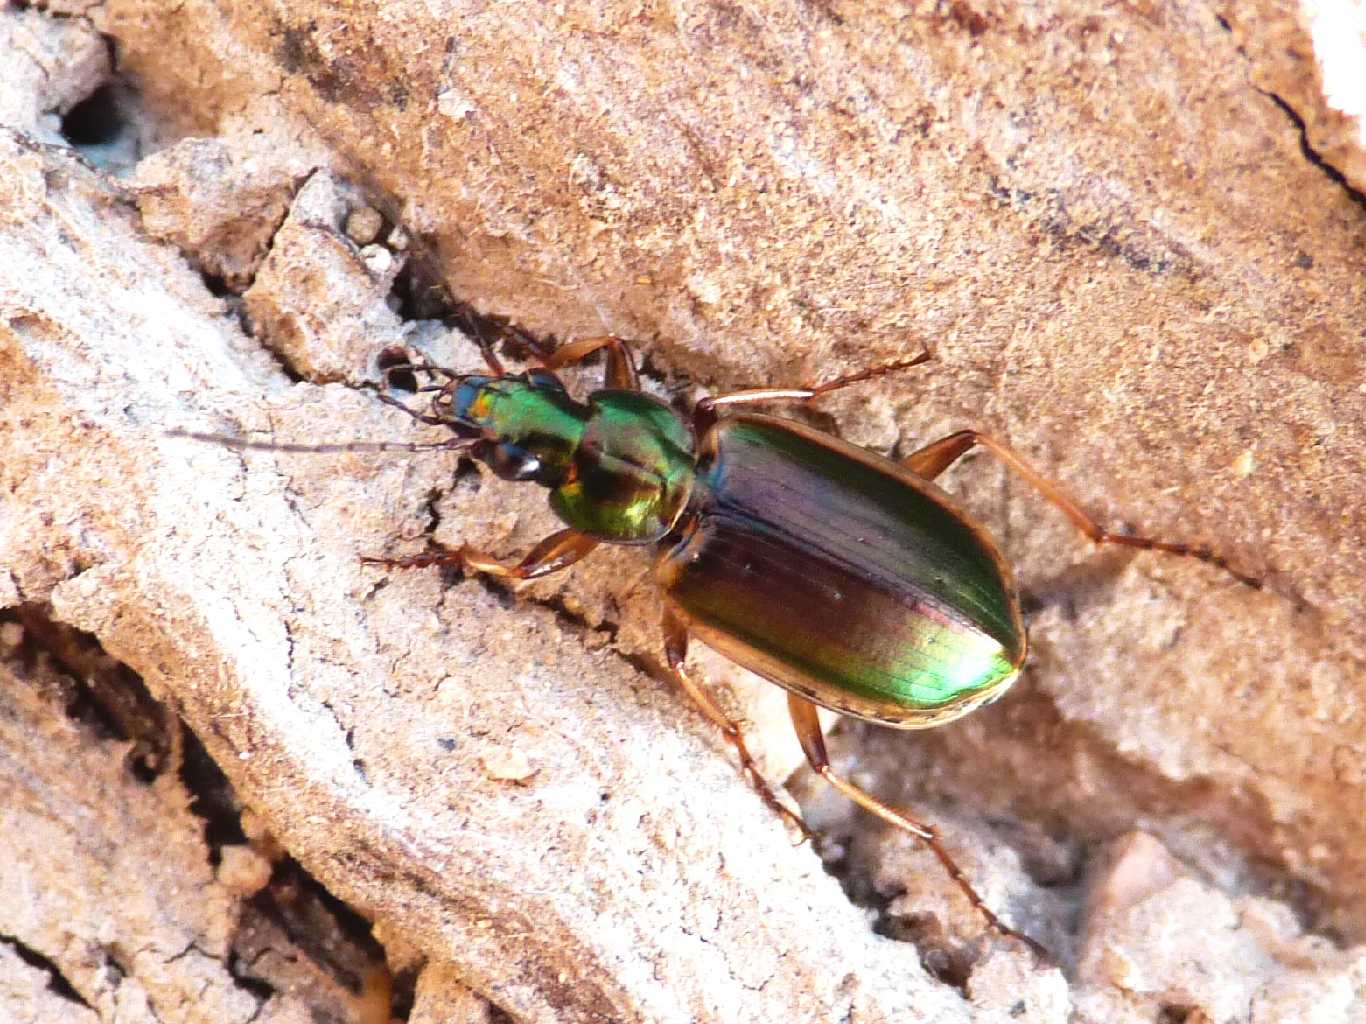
[(849, 579)]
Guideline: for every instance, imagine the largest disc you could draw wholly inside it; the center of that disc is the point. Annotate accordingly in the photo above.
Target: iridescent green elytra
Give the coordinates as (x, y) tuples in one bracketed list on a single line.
[(842, 576), (830, 570)]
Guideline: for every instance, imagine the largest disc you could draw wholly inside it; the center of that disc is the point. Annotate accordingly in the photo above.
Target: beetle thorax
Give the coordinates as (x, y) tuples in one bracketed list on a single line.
[(632, 470)]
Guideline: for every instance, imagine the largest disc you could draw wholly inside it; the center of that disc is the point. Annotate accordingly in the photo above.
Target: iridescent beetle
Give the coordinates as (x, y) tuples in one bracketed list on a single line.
[(849, 579)]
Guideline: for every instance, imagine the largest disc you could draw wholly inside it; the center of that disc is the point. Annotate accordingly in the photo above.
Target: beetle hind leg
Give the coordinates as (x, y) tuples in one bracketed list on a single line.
[(808, 727), (939, 455), (676, 651)]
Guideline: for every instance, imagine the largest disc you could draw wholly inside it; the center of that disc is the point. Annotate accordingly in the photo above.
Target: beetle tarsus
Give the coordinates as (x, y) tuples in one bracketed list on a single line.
[(808, 728)]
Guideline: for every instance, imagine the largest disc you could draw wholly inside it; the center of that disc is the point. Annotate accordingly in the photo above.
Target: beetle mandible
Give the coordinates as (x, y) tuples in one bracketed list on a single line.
[(847, 578)]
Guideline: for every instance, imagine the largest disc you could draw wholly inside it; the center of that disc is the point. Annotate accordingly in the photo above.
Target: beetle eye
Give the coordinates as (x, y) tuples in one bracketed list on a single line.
[(511, 462), (543, 378)]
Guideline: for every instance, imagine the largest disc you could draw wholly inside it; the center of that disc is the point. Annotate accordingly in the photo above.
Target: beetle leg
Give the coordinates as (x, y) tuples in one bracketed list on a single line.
[(491, 359), (704, 412), (676, 652), (419, 365), (428, 418), (808, 727), (473, 329), (937, 456), (558, 551), (621, 368)]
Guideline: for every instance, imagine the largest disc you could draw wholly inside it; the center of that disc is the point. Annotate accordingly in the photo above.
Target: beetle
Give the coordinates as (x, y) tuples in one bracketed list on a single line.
[(847, 578)]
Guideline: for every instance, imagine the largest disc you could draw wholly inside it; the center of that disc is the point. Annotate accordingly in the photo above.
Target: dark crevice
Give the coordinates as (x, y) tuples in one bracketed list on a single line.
[(495, 333), (114, 971), (213, 798), (432, 506), (1171, 1013), (244, 979), (95, 120), (648, 369), (104, 127), (466, 476), (102, 693), (403, 994), (328, 931), (393, 365), (1306, 150), (217, 285), (1334, 175), (420, 291), (57, 981)]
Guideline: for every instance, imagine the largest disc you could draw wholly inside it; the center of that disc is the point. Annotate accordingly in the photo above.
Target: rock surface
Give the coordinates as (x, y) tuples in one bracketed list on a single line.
[(1135, 255)]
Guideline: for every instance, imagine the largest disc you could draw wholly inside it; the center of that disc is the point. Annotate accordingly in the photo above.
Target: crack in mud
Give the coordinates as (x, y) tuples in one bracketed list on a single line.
[(57, 981)]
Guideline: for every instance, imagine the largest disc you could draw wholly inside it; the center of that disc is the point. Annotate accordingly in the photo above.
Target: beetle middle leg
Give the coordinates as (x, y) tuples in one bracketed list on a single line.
[(808, 727), (704, 413), (939, 455), (558, 551), (676, 652)]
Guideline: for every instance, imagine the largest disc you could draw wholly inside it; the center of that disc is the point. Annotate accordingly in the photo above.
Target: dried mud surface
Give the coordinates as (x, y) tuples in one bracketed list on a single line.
[(259, 780)]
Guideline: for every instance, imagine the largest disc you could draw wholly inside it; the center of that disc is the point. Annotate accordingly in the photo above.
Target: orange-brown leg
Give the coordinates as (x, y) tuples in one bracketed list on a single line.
[(704, 412), (558, 551), (621, 367), (937, 456), (808, 727), (676, 653)]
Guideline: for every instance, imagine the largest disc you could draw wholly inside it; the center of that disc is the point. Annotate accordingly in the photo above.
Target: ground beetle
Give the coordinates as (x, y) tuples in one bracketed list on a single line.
[(850, 580)]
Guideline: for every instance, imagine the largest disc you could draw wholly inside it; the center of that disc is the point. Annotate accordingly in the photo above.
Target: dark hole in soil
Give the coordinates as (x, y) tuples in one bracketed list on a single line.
[(95, 121)]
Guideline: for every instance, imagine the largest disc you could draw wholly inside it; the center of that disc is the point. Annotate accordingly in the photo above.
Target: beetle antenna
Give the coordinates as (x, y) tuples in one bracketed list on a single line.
[(868, 373), (241, 444)]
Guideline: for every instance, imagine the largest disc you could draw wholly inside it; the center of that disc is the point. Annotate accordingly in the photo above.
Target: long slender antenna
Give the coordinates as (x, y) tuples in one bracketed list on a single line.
[(240, 444)]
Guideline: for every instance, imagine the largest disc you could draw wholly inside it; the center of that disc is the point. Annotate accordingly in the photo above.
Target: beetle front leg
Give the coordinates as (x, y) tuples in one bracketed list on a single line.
[(808, 727), (621, 367), (939, 455), (558, 551), (676, 653)]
